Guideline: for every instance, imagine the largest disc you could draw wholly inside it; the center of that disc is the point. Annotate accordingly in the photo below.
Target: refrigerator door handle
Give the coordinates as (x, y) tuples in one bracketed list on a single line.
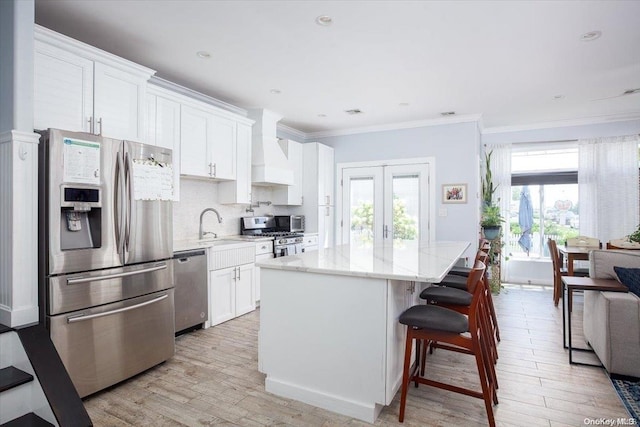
[(84, 317), (129, 197), (118, 207), (87, 279)]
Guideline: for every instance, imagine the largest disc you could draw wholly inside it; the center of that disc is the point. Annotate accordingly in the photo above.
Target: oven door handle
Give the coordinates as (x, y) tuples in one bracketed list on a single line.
[(87, 279), (83, 317)]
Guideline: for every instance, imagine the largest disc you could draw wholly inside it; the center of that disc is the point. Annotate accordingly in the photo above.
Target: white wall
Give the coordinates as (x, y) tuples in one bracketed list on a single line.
[(455, 148)]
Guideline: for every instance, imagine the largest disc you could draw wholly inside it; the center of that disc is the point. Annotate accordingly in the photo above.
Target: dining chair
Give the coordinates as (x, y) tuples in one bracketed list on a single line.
[(622, 244), (558, 271), (454, 332)]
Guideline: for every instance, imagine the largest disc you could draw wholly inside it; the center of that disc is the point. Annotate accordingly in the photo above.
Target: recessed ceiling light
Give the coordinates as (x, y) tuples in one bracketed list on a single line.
[(558, 97), (275, 91), (448, 113), (324, 20), (353, 111), (403, 104), (591, 36), (322, 115), (203, 54)]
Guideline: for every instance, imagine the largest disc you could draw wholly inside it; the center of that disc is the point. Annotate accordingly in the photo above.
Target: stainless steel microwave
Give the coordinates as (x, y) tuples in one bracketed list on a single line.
[(291, 223)]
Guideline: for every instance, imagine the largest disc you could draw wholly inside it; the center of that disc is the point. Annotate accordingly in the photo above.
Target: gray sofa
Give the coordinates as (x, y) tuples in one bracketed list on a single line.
[(612, 319)]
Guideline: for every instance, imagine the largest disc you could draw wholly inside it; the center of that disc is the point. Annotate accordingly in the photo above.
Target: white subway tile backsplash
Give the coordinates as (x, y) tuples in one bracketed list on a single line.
[(197, 195)]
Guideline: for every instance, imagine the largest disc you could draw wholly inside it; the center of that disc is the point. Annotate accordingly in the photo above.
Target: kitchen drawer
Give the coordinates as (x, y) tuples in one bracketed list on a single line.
[(265, 247), (310, 241)]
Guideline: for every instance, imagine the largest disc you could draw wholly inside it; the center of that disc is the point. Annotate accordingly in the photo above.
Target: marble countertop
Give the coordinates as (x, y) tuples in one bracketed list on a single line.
[(222, 242), (399, 261)]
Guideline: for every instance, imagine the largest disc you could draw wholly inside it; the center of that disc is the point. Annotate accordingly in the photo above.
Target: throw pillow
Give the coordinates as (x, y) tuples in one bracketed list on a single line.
[(630, 277)]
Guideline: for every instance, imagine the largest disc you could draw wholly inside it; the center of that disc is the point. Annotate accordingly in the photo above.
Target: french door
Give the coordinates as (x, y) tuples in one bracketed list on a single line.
[(385, 203)]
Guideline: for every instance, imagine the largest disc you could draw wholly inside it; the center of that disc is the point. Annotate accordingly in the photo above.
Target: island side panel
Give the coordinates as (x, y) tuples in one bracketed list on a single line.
[(322, 340)]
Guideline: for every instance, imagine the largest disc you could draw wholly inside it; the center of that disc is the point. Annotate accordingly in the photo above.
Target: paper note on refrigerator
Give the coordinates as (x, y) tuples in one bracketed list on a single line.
[(152, 180), (81, 161)]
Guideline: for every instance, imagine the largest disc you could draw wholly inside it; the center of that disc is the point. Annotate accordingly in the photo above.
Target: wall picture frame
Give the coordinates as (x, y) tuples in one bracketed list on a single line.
[(454, 193)]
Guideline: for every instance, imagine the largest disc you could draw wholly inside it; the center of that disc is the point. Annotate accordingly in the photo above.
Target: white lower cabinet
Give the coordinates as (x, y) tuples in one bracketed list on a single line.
[(264, 250), (231, 293)]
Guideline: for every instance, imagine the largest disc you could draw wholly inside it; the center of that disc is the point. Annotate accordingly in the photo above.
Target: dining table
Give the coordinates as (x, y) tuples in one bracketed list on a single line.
[(574, 253)]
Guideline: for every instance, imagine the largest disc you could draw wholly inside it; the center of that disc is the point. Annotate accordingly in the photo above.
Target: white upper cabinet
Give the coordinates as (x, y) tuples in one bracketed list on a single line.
[(291, 194), (223, 147), (208, 144), (163, 128), (325, 175), (81, 88), (239, 191), (63, 90), (318, 177), (194, 137)]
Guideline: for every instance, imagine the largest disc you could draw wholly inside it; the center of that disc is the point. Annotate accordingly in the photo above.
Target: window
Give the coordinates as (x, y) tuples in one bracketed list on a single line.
[(544, 199)]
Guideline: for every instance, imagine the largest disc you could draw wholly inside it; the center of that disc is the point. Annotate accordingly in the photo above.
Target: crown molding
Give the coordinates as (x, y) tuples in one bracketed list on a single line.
[(563, 123), (291, 131), (192, 94), (396, 126), (50, 37)]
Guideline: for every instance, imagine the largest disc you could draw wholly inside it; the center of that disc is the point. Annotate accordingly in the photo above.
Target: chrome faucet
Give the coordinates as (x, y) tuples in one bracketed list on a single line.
[(201, 233)]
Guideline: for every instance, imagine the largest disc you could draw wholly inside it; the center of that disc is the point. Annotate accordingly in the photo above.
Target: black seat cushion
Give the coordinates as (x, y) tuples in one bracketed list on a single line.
[(460, 271), (453, 281), (445, 295), (436, 318)]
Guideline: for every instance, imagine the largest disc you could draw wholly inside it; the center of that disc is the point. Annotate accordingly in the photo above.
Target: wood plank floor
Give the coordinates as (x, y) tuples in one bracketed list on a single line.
[(213, 380)]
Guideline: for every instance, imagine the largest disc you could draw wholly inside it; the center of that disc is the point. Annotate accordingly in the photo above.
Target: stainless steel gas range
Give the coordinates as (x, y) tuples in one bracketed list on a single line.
[(284, 242)]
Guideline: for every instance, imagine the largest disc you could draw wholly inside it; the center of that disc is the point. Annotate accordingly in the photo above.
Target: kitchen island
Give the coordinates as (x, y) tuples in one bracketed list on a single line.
[(329, 332)]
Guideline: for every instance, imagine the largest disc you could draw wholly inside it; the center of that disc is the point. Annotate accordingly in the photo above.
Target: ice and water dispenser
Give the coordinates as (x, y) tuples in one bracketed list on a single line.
[(80, 217)]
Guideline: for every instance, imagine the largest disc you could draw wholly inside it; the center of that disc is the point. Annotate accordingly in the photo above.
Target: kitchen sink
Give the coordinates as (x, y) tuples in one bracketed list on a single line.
[(223, 244)]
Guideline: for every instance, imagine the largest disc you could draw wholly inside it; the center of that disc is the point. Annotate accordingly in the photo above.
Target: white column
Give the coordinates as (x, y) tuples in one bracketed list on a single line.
[(18, 167)]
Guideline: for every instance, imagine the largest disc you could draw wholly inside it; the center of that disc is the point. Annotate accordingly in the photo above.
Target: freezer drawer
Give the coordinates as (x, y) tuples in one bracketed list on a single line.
[(76, 291), (105, 345)]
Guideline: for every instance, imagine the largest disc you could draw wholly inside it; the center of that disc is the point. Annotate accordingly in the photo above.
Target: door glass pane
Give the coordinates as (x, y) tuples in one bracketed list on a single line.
[(553, 214), (406, 207), (361, 211)]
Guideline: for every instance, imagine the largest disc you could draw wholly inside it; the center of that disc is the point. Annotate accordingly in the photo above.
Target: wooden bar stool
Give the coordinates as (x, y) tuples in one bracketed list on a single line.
[(460, 300), (428, 323), (458, 280)]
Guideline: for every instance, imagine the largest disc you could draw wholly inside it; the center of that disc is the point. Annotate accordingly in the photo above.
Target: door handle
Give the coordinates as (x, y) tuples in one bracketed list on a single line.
[(129, 198), (87, 279), (84, 317), (118, 206), (385, 234)]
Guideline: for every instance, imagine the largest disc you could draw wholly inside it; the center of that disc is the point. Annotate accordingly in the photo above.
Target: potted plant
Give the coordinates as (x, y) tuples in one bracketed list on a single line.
[(491, 221), (487, 181)]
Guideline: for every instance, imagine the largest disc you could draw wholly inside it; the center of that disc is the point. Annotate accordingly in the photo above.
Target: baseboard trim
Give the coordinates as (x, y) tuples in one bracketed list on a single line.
[(359, 410)]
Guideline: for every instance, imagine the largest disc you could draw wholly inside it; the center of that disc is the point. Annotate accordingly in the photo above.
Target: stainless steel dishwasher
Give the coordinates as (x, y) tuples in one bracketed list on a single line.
[(190, 278)]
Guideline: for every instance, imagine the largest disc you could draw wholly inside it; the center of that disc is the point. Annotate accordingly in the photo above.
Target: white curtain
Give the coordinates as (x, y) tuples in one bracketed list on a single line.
[(608, 186), (501, 173)]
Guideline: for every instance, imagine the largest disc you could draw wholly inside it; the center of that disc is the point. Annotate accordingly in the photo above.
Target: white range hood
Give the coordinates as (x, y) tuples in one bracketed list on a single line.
[(269, 164)]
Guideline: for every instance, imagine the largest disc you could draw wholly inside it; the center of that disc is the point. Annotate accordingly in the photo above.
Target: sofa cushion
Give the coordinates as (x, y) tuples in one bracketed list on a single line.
[(630, 277)]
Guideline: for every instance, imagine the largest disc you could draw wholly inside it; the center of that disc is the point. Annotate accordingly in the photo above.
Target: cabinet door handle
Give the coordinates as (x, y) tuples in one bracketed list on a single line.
[(215, 170), (100, 123), (386, 232), (239, 273), (235, 273), (328, 199), (90, 120)]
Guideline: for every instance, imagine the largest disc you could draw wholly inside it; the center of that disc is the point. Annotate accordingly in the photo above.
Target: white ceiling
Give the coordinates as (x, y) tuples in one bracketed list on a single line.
[(504, 60)]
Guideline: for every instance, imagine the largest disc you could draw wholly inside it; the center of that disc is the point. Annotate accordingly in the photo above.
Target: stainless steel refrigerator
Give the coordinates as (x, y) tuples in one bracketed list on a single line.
[(105, 248)]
